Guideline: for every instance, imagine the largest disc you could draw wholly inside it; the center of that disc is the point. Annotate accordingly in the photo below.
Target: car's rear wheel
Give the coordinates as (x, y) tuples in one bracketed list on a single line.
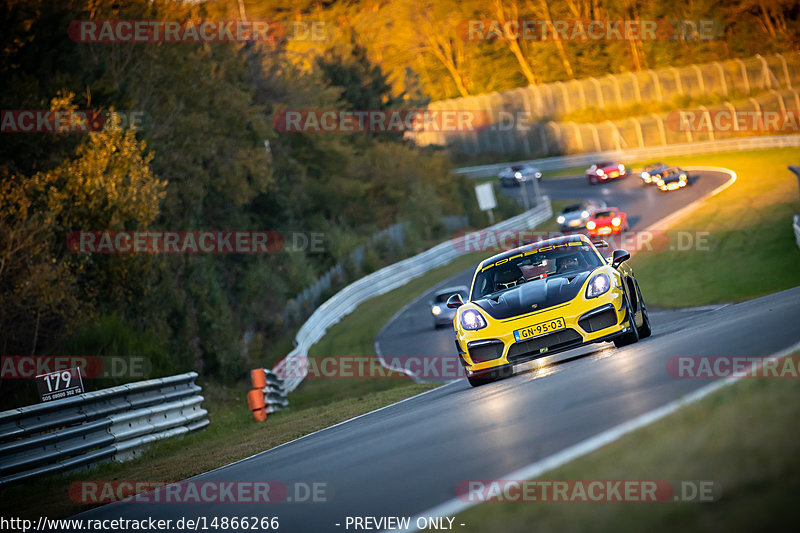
[(491, 376)]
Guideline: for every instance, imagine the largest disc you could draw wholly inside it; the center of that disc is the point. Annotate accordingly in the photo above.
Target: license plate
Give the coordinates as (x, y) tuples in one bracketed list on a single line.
[(539, 329), (614, 174)]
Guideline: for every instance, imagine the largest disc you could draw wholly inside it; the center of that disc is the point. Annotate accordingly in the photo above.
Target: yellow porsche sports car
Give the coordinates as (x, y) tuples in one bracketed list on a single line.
[(543, 298)]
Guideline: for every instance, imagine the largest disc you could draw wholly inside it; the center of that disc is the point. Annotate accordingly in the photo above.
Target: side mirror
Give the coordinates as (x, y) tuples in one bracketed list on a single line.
[(618, 257), (455, 301)]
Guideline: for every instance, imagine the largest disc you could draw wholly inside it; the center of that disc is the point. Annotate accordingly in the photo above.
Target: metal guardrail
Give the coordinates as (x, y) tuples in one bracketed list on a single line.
[(106, 424), (796, 226), (655, 152), (380, 282)]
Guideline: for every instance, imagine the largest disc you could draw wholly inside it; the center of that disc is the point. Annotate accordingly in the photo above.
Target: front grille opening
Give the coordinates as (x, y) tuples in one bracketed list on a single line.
[(551, 341), (485, 351), (598, 321)]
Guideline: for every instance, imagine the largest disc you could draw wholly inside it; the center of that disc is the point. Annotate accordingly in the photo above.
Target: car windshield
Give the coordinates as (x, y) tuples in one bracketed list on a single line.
[(654, 166), (517, 168), (572, 208), (605, 214), (561, 260), (442, 297), (604, 164)]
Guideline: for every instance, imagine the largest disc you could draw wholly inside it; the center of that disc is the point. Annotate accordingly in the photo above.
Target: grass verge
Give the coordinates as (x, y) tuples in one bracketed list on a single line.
[(758, 470), (751, 248)]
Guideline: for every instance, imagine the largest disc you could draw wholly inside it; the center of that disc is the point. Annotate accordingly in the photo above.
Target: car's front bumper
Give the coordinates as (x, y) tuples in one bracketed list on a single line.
[(587, 321)]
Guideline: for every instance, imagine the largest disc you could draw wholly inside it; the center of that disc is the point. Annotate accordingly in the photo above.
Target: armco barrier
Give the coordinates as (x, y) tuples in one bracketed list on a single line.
[(796, 226), (106, 424), (654, 153), (384, 280)]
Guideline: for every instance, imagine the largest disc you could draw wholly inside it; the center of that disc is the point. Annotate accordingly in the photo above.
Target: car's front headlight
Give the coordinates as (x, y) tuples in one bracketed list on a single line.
[(585, 214), (600, 172), (598, 285), (645, 175), (561, 219), (591, 225), (472, 320), (436, 310)]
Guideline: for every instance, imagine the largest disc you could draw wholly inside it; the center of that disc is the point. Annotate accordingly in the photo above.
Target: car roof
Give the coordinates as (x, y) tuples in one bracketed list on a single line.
[(535, 245)]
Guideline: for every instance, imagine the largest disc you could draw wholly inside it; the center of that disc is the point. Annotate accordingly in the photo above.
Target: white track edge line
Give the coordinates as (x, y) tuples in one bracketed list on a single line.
[(324, 429), (456, 505)]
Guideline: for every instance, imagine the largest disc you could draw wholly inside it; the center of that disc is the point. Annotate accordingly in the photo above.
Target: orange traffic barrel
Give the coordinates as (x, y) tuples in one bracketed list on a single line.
[(255, 401)]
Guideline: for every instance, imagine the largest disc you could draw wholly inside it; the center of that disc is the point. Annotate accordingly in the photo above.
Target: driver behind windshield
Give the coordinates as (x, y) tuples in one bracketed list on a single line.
[(532, 267)]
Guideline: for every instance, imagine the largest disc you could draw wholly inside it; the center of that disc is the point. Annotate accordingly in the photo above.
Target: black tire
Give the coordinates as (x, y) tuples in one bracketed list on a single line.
[(633, 335), (645, 330), (491, 376)]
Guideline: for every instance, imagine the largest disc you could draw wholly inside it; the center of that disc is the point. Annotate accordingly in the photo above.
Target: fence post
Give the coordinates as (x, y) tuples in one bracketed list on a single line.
[(657, 84), (637, 91), (708, 116), (638, 132), (567, 105), (678, 81), (617, 92), (766, 73), (733, 114), (596, 138), (722, 77), (616, 135), (599, 91), (663, 133), (700, 81), (785, 70), (744, 75)]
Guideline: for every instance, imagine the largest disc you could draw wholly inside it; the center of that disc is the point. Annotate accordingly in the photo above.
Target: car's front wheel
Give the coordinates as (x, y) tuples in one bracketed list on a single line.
[(633, 335)]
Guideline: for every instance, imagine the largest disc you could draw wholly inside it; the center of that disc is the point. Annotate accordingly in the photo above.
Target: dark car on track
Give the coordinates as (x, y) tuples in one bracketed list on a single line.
[(574, 216), (515, 175), (672, 179), (650, 173)]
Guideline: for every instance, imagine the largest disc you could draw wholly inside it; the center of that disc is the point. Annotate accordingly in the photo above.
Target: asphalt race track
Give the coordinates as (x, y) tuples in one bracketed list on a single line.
[(409, 457)]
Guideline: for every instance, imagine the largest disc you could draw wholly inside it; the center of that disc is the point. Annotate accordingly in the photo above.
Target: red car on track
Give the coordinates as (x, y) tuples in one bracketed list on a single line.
[(609, 221), (604, 171)]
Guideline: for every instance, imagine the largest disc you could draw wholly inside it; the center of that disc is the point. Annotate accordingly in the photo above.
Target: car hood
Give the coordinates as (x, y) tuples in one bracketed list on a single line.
[(534, 295)]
